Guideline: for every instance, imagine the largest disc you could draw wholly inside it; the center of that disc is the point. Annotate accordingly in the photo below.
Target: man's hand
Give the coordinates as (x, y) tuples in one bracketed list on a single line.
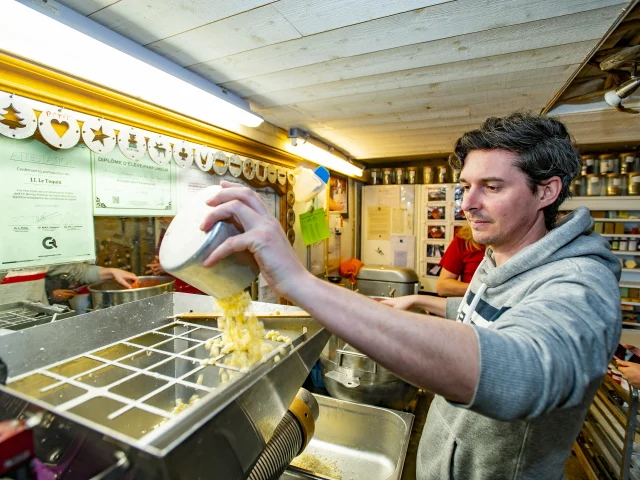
[(61, 295), (630, 371), (261, 235), (401, 303), (123, 277), (155, 268)]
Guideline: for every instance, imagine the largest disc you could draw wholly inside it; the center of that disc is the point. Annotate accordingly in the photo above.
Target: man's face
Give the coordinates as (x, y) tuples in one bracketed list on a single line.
[(497, 202)]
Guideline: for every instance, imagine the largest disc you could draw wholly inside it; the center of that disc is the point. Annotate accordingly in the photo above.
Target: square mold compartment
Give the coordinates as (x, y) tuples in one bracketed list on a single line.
[(75, 367), (115, 351), (203, 334), (144, 359), (105, 376), (176, 367), (138, 386), (177, 345), (135, 423), (148, 339), (167, 398), (175, 329)]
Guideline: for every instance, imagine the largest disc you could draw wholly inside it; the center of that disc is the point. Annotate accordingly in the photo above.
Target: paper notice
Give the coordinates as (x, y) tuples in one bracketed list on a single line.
[(370, 195), (378, 223), (403, 248), (389, 196), (313, 226), (397, 221)]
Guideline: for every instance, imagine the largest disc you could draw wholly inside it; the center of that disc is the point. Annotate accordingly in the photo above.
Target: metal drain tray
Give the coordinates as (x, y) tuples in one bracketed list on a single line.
[(19, 315), (125, 390)]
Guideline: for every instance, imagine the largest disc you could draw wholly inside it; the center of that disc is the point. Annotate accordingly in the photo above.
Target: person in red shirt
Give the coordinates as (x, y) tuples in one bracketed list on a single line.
[(459, 263)]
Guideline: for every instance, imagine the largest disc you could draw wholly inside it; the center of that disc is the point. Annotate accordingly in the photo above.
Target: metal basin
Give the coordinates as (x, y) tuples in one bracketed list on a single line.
[(109, 292), (355, 441), (350, 375)]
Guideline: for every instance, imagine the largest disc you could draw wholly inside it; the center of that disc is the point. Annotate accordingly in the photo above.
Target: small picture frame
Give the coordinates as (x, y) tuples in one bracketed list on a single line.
[(435, 213), (458, 193), (458, 213), (436, 232), (338, 195), (436, 250), (433, 269), (437, 194)]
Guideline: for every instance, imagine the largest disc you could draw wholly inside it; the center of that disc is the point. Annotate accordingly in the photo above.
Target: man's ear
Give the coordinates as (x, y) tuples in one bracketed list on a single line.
[(548, 191)]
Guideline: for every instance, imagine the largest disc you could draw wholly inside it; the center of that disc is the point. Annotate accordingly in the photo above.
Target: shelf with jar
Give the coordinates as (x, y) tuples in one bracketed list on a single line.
[(411, 175)]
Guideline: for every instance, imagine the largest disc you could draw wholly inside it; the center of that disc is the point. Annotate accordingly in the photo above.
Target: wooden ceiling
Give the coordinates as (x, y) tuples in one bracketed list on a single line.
[(378, 79)]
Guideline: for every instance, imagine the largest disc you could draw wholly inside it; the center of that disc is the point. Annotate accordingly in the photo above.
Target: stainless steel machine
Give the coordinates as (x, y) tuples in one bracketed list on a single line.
[(386, 281), (19, 315), (105, 385)]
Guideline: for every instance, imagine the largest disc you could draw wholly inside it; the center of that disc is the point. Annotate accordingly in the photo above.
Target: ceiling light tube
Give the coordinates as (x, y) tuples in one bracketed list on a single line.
[(312, 149), (56, 36)]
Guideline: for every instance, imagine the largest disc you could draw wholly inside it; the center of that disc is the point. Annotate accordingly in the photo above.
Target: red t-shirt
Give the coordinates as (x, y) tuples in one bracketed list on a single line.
[(461, 261)]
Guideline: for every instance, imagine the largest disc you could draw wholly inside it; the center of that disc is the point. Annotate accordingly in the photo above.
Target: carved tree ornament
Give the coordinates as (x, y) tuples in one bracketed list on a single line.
[(17, 118)]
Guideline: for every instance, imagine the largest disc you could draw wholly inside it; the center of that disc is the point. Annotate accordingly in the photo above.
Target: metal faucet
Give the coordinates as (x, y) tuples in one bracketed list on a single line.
[(392, 292)]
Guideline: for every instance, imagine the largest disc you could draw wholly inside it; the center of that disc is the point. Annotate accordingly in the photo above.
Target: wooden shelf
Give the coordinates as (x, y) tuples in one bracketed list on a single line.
[(625, 252), (633, 304), (630, 284), (620, 235), (618, 220), (602, 203), (637, 270)]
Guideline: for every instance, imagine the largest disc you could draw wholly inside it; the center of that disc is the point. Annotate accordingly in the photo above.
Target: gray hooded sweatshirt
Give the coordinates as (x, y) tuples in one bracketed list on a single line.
[(547, 323)]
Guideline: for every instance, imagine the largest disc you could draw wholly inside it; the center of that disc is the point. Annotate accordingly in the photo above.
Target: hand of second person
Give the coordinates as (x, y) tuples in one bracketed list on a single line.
[(123, 277), (155, 268), (61, 295), (401, 303), (261, 235), (630, 371)]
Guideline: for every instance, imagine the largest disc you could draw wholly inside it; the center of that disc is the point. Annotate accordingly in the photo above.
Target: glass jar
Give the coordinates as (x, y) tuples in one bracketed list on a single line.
[(627, 162), (615, 244), (398, 175), (387, 174), (442, 174), (578, 186), (427, 175), (633, 183), (633, 244), (614, 185), (412, 175), (608, 163), (589, 164), (374, 176), (594, 185), (624, 244)]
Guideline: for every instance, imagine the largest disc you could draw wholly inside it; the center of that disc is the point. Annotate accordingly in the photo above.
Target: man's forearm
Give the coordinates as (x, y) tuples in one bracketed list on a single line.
[(429, 352), (451, 287)]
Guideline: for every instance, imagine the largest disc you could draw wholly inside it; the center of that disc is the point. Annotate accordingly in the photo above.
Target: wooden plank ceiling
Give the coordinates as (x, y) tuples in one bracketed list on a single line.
[(378, 79)]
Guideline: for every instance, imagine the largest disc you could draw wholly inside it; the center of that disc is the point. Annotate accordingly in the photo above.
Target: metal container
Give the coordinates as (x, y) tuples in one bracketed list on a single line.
[(633, 183), (594, 185), (399, 175), (349, 437), (614, 185), (185, 247), (412, 175), (609, 163), (374, 175), (351, 375), (112, 377), (628, 163), (578, 186), (443, 174), (386, 281), (387, 176), (427, 175), (109, 292)]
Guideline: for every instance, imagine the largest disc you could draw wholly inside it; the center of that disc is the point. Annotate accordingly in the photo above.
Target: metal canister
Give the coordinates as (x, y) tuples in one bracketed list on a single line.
[(633, 183), (374, 176), (428, 175), (412, 175), (594, 185), (614, 185), (589, 164), (442, 174), (398, 175), (185, 247), (387, 175)]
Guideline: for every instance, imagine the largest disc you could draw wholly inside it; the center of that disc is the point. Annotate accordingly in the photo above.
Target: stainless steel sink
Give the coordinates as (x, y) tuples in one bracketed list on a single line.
[(356, 441)]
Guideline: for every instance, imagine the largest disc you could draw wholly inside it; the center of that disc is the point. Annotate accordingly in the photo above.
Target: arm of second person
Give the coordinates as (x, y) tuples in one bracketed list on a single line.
[(434, 305), (449, 286)]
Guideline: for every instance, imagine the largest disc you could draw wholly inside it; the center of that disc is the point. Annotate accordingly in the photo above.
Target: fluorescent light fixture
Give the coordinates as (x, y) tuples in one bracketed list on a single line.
[(56, 36), (305, 146)]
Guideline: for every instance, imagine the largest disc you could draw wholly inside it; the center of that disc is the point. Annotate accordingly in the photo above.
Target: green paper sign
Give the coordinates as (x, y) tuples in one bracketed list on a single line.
[(314, 226)]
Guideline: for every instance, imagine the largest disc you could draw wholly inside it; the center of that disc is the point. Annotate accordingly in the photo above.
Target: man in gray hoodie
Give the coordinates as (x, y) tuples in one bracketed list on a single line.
[(516, 372)]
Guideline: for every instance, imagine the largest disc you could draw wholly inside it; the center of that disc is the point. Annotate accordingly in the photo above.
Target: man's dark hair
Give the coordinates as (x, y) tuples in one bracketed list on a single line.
[(543, 146)]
